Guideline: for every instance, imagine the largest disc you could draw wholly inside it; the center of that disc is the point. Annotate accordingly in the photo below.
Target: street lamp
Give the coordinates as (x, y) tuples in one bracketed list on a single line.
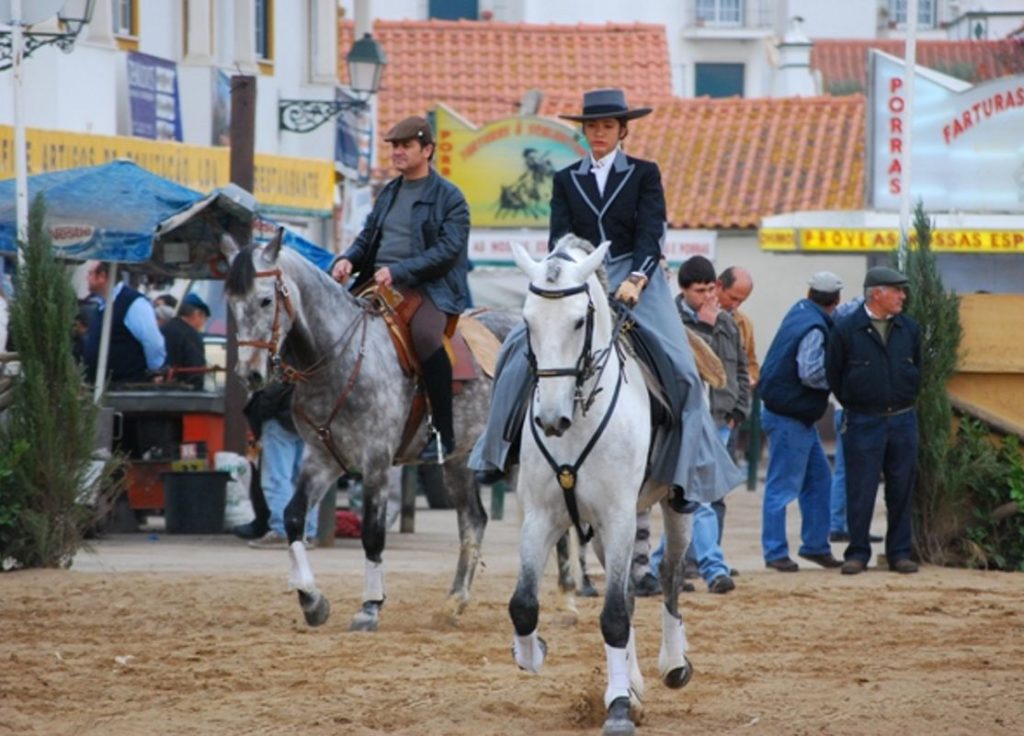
[(71, 19), (366, 62), (15, 45)]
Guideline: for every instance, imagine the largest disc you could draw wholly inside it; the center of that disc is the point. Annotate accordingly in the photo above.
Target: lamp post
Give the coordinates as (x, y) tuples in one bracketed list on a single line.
[(15, 46), (366, 62)]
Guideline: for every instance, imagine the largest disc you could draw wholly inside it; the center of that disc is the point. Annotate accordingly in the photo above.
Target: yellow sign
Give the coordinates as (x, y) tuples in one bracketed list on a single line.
[(864, 241), (293, 183), (505, 169)]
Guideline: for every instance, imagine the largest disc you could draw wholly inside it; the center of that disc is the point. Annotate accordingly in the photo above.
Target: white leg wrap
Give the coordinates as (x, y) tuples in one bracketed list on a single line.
[(300, 575), (618, 674), (673, 643), (636, 678), (528, 652), (373, 581)]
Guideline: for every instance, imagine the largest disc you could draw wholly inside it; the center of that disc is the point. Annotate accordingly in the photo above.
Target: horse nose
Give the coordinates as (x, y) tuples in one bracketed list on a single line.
[(255, 379), (554, 429)]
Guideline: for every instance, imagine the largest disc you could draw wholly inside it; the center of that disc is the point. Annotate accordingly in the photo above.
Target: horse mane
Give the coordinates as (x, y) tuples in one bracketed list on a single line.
[(568, 242), (241, 274)]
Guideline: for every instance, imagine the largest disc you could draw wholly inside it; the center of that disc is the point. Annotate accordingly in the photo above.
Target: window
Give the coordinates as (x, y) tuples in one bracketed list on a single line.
[(719, 12), (925, 12), (718, 80), (264, 22), (453, 9), (125, 18)]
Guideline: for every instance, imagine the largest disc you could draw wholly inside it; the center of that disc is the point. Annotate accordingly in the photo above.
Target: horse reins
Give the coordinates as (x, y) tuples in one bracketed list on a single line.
[(587, 366), (290, 374)]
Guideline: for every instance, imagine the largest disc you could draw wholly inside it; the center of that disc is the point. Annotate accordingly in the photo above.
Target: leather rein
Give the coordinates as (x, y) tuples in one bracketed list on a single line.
[(290, 374), (588, 365)]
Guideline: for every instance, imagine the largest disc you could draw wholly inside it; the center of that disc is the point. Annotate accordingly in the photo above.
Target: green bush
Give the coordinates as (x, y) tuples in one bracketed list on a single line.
[(48, 432)]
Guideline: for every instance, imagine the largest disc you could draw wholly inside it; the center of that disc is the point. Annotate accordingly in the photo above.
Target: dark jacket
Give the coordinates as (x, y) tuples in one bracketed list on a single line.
[(733, 401), (780, 386), (441, 228), (869, 376), (631, 214), (126, 360), (273, 401), (185, 350)]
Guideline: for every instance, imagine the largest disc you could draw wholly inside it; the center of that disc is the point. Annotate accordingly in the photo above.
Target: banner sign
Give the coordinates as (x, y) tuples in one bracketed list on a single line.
[(492, 247), (153, 97), (851, 240), (304, 185), (966, 141), (353, 139), (506, 168)]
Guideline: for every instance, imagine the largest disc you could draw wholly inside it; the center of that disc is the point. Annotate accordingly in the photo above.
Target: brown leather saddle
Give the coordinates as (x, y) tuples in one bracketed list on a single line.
[(397, 307)]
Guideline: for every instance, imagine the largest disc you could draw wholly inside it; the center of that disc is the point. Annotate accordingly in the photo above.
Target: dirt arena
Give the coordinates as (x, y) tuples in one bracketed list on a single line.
[(156, 634)]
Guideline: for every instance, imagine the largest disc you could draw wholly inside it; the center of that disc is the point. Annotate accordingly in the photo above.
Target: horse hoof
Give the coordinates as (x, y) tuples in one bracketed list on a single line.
[(587, 589), (618, 722), (453, 607), (368, 618), (316, 610), (680, 676)]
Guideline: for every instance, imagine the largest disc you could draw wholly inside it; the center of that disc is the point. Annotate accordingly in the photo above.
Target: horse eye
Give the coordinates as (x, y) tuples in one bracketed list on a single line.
[(266, 301), (579, 324)]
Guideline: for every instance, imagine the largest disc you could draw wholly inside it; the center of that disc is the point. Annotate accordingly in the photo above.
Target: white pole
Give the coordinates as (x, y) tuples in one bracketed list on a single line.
[(909, 75), (20, 156), (105, 327)]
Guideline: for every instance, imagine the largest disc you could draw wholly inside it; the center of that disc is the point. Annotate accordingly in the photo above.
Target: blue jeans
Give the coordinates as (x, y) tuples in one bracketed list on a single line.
[(279, 469), (706, 546), (837, 522), (875, 446), (797, 469)]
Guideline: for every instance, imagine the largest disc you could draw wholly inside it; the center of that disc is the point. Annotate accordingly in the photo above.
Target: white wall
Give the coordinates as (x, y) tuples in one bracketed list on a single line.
[(845, 19)]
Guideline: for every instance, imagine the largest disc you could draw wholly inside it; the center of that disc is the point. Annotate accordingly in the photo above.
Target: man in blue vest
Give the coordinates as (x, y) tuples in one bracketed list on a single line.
[(795, 392), (874, 369), (137, 350)]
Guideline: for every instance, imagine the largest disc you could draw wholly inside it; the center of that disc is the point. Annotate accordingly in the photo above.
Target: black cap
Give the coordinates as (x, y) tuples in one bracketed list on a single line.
[(884, 276), (414, 128)]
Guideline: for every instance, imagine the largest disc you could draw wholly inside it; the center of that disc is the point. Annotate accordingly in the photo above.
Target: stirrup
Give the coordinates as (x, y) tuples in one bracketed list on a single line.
[(434, 452)]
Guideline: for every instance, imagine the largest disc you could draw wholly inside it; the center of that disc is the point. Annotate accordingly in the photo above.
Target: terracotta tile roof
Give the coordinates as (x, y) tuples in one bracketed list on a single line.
[(727, 163), (843, 63), (482, 69)]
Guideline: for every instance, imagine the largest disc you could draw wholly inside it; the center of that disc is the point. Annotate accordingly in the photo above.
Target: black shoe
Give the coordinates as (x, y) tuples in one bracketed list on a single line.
[(783, 564), (687, 587), (722, 584), (825, 560), (647, 586), (429, 452), (839, 537), (489, 477), (677, 501), (252, 530)]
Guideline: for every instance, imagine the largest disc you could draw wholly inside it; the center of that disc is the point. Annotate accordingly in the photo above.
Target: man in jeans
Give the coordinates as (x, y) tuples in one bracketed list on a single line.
[(795, 394)]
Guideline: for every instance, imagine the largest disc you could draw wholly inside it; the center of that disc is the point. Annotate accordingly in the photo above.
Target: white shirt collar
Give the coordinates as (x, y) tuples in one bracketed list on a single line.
[(602, 167)]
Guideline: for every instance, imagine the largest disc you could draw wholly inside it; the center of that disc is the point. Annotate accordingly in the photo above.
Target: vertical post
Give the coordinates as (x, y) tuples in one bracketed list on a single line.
[(243, 142), (909, 75), (20, 155), (325, 518), (498, 500), (408, 518)]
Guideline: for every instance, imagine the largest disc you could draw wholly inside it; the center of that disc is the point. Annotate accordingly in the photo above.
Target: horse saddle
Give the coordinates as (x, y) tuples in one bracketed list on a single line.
[(397, 307)]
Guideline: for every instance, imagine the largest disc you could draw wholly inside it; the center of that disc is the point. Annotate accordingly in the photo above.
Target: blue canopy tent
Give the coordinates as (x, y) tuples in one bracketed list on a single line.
[(124, 214)]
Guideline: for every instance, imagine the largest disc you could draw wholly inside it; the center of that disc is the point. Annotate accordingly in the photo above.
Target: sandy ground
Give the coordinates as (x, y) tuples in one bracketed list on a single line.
[(158, 634)]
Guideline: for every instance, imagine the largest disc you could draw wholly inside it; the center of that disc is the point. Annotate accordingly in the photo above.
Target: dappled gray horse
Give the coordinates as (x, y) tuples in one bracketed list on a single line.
[(350, 403)]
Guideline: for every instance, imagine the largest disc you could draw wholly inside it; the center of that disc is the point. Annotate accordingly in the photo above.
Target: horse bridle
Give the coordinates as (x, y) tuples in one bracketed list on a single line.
[(584, 367), (282, 296)]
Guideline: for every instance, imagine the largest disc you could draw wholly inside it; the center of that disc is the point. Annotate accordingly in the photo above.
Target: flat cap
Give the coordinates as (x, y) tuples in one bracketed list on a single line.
[(826, 282), (884, 276), (193, 299), (414, 128)]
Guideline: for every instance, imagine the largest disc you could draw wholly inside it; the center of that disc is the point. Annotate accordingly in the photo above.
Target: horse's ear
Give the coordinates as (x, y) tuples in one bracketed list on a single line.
[(589, 264), (273, 248), (525, 262), (228, 247)]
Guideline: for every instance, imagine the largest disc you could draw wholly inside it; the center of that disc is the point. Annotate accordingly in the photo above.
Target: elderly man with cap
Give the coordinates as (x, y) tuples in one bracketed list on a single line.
[(795, 392), (417, 239), (874, 369), (183, 337), (610, 196)]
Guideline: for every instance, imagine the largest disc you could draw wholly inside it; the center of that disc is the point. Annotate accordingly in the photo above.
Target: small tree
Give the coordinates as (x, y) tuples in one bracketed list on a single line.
[(937, 511), (47, 436)]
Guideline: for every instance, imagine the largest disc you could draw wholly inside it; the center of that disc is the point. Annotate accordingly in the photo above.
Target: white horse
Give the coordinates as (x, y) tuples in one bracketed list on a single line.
[(583, 461)]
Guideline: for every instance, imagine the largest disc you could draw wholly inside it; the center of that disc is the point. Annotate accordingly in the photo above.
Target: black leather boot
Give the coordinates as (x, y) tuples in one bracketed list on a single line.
[(437, 379)]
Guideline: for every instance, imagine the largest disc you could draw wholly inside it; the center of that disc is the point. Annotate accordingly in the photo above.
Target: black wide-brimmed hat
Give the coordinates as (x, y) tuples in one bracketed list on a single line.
[(606, 103)]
